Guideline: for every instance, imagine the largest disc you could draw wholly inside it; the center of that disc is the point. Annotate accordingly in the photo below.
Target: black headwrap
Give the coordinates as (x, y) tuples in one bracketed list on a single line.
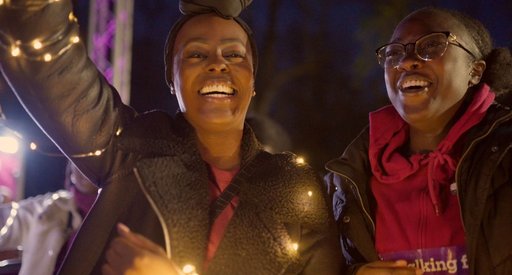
[(228, 9)]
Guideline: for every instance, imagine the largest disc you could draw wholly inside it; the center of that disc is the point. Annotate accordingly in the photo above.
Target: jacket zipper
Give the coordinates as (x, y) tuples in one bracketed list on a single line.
[(158, 214), (465, 154)]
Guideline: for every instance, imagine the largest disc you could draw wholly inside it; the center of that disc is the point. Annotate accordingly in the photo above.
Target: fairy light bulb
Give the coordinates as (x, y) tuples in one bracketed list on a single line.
[(15, 51), (300, 160), (47, 57), (72, 17), (75, 39), (37, 44), (33, 146), (188, 269)]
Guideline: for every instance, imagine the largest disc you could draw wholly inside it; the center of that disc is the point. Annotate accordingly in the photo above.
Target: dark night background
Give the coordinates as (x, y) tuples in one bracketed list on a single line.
[(318, 77)]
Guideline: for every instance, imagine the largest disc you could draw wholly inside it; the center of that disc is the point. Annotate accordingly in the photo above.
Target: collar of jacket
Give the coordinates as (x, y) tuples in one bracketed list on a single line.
[(156, 133)]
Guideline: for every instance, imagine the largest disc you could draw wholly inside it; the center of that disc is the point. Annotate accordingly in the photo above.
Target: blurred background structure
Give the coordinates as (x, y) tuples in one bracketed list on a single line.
[(317, 80)]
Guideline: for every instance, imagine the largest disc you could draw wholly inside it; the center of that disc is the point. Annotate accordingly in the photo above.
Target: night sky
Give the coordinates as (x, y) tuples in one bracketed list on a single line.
[(318, 77)]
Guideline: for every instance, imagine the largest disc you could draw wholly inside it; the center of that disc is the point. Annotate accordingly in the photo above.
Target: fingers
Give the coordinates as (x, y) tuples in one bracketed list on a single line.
[(398, 267)]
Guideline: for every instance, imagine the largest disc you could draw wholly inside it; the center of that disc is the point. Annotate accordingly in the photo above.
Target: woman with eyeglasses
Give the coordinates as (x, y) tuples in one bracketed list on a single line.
[(427, 186)]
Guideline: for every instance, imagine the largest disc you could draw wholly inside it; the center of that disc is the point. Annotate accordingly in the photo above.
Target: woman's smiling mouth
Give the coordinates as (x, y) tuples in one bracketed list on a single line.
[(413, 86), (218, 90)]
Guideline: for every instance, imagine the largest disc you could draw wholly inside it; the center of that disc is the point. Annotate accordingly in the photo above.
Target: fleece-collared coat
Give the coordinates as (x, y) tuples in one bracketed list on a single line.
[(151, 173), (484, 186)]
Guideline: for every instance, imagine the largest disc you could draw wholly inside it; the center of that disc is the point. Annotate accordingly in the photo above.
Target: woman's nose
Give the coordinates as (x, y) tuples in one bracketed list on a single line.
[(410, 60), (217, 64)]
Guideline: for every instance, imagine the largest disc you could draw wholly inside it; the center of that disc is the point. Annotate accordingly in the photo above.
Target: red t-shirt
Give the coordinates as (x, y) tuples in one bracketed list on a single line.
[(222, 180)]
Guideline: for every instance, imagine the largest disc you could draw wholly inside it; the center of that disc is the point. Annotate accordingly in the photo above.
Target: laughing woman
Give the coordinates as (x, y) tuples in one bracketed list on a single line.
[(428, 185), (197, 188)]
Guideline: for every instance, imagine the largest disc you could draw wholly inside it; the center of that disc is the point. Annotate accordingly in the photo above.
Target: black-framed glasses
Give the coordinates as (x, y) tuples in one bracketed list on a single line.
[(427, 47)]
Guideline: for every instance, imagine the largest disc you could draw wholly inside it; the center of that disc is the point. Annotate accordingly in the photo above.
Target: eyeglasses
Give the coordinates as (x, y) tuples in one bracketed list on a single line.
[(427, 48)]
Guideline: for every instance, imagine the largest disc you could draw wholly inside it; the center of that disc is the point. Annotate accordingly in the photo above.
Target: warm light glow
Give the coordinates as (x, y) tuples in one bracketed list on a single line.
[(188, 268), (37, 44), (75, 39), (300, 160), (9, 145), (15, 51), (1, 2), (310, 193), (33, 146), (10, 220), (97, 153), (47, 57), (295, 246)]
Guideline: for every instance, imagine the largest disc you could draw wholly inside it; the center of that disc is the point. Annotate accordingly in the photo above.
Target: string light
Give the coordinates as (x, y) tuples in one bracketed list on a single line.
[(47, 57), (15, 209), (34, 147), (189, 269), (10, 220), (27, 5), (300, 160), (20, 49), (15, 51), (37, 44), (294, 247)]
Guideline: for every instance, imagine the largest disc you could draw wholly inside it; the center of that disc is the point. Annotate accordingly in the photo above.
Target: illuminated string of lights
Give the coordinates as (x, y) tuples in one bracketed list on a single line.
[(10, 220), (11, 142), (15, 210), (27, 5), (36, 49)]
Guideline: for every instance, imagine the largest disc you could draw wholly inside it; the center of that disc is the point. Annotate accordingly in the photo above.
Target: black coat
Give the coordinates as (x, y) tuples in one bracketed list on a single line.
[(484, 180)]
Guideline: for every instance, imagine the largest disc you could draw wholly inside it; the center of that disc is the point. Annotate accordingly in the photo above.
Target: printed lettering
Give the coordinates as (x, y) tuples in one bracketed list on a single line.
[(464, 261), (452, 266)]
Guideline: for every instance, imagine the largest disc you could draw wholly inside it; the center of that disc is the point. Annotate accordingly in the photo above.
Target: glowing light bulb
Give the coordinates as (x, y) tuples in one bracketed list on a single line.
[(15, 51), (37, 44), (75, 39), (300, 160), (188, 268), (97, 153), (33, 146), (72, 17), (47, 57), (310, 193)]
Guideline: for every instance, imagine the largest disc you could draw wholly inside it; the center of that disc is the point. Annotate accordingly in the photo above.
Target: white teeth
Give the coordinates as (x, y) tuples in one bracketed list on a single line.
[(221, 88), (410, 83)]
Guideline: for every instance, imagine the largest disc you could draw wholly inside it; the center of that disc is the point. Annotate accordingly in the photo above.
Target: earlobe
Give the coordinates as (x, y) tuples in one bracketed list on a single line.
[(477, 71)]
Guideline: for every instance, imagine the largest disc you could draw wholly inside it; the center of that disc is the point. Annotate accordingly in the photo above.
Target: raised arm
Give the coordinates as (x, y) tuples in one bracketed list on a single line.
[(46, 64)]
